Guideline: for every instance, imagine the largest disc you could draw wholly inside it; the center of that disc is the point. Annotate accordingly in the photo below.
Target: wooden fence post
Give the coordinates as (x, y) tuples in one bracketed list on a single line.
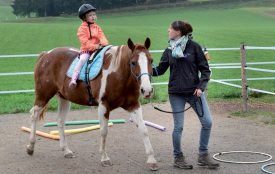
[(244, 79)]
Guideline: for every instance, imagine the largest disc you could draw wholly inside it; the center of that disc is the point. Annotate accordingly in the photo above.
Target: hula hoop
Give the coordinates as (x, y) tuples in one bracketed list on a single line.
[(266, 165), (242, 162)]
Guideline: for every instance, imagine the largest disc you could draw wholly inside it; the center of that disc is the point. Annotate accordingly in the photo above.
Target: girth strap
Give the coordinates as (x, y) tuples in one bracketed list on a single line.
[(88, 85)]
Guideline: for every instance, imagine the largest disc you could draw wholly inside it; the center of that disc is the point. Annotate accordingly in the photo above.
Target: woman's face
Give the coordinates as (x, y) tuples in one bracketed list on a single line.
[(91, 17), (173, 34)]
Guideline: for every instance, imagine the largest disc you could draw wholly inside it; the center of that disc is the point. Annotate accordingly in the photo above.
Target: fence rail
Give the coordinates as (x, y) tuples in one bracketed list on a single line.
[(154, 51), (242, 65)]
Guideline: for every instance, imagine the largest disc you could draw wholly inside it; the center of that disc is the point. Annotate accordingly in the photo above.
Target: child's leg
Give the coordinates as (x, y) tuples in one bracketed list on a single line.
[(82, 58)]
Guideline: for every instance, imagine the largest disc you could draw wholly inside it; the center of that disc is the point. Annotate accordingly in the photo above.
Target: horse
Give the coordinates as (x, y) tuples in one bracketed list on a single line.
[(125, 75)]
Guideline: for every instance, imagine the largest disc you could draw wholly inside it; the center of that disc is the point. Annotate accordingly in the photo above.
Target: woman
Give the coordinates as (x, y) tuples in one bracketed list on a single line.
[(186, 60)]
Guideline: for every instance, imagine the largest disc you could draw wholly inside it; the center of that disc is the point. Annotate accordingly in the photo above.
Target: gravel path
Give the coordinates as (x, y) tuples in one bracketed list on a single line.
[(125, 147)]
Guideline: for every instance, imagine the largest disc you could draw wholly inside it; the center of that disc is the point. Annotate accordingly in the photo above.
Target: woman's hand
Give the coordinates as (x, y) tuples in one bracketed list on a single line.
[(198, 92)]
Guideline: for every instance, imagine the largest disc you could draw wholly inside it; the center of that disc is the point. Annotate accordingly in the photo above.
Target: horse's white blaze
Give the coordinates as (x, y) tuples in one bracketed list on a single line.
[(145, 80)]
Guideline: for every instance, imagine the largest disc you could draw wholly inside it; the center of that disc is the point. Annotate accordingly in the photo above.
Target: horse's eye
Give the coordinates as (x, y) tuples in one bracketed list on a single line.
[(134, 63)]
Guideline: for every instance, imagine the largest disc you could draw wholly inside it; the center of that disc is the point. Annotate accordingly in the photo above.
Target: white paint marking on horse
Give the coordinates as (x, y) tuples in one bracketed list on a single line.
[(73, 49), (117, 59), (145, 80), (50, 51), (103, 132), (35, 112), (63, 109), (116, 55), (106, 72), (138, 119), (112, 50)]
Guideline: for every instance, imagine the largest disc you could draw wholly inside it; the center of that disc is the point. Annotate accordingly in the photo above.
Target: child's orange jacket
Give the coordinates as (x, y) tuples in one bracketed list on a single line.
[(89, 42)]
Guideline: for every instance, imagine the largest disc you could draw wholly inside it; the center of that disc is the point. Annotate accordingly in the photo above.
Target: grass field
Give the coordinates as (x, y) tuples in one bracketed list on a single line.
[(6, 13), (214, 27)]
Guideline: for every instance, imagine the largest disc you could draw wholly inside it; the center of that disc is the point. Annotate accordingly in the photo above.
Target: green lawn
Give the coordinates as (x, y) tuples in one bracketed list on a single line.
[(5, 2), (6, 14), (214, 27)]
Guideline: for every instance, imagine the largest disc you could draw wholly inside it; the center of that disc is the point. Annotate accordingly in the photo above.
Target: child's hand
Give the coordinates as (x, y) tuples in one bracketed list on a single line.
[(98, 46)]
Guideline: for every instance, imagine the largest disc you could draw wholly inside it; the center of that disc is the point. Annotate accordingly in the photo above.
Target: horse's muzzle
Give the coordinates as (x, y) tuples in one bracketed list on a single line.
[(147, 93)]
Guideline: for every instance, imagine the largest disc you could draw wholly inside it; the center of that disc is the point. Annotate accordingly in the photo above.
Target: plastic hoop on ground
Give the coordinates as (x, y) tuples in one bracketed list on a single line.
[(242, 162), (266, 165)]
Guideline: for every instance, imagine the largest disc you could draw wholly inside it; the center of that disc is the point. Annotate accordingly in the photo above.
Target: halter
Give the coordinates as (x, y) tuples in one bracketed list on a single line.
[(137, 77)]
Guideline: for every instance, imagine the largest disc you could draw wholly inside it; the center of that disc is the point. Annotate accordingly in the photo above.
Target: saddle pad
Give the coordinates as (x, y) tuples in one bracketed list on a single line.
[(94, 67)]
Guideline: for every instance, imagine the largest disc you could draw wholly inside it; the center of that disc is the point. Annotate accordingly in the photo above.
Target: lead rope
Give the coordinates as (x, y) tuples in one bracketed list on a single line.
[(171, 112)]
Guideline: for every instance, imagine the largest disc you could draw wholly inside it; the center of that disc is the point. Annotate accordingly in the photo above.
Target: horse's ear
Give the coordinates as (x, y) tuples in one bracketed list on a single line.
[(147, 43), (131, 45)]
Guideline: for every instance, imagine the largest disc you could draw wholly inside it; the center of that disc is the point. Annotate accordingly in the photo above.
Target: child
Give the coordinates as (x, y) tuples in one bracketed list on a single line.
[(90, 35)]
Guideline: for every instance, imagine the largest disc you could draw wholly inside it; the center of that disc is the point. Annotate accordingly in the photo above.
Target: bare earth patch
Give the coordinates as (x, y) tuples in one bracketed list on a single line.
[(125, 146)]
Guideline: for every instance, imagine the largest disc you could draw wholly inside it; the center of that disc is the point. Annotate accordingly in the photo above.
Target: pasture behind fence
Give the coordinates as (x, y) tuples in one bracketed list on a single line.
[(243, 65)]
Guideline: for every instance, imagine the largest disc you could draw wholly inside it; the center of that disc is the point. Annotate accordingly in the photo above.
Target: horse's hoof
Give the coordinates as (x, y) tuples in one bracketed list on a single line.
[(153, 166), (69, 155), (106, 163), (29, 151)]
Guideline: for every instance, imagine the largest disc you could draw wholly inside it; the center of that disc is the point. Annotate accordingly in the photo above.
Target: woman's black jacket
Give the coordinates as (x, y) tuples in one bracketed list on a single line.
[(184, 72)]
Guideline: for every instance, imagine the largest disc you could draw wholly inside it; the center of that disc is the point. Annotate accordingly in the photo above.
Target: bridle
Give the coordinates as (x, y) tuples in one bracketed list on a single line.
[(137, 76)]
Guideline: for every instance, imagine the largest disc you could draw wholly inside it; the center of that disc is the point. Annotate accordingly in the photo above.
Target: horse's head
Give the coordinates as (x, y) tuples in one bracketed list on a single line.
[(141, 66)]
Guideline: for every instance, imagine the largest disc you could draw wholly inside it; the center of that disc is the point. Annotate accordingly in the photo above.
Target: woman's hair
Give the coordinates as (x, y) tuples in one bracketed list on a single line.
[(183, 27)]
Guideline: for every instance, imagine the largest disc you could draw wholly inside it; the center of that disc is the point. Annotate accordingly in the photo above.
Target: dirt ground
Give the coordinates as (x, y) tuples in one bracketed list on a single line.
[(125, 147)]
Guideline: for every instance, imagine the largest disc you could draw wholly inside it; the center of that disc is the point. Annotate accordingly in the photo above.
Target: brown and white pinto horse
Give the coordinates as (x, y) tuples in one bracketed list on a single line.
[(124, 76)]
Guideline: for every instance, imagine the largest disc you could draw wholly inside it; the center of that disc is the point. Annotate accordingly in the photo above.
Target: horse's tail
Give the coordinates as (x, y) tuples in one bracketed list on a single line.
[(41, 116)]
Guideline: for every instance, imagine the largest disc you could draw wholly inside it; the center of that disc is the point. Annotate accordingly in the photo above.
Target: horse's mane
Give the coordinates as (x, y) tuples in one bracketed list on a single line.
[(41, 54), (119, 55)]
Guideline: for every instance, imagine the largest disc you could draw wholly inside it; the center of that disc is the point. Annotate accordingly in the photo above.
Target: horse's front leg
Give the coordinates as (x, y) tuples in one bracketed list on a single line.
[(102, 112), (63, 109), (138, 119)]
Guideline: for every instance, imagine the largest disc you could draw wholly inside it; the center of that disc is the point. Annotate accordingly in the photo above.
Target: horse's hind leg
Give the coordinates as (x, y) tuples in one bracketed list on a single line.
[(42, 97), (138, 119), (35, 112), (102, 112), (63, 109)]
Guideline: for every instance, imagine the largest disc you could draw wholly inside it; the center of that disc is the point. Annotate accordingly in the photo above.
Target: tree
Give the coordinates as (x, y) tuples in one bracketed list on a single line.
[(22, 7), (44, 8)]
